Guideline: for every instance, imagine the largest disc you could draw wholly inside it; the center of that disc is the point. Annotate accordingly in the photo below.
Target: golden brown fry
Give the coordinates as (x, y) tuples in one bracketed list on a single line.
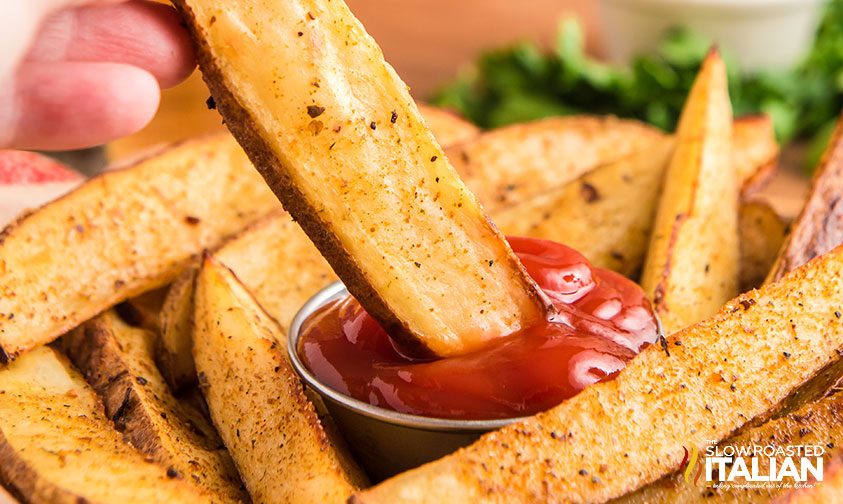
[(606, 214), (755, 152), (448, 127), (510, 165), (57, 446), (691, 267), (819, 227), (118, 361), (119, 235), (276, 262), (762, 233), (257, 402), (616, 436), (344, 147)]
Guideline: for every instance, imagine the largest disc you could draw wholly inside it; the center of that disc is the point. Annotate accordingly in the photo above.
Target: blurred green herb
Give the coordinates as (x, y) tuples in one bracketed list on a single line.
[(522, 82)]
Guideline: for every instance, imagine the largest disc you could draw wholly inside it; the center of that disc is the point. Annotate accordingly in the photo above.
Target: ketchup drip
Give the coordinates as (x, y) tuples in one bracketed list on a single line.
[(603, 321)]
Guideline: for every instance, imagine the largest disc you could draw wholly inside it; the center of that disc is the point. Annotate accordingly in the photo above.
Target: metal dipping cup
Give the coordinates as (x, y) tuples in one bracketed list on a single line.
[(383, 441)]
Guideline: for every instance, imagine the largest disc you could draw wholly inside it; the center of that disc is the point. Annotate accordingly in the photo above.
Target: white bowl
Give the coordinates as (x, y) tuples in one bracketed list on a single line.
[(760, 34)]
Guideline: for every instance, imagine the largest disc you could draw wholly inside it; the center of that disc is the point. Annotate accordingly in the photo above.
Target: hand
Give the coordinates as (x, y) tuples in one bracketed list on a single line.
[(78, 73)]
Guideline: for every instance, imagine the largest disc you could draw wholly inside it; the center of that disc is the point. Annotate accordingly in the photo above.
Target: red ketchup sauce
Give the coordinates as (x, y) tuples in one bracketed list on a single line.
[(603, 321)]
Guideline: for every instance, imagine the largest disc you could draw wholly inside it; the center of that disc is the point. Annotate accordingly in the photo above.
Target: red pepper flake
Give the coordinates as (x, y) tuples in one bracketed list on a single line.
[(315, 111), (190, 219), (310, 16), (433, 158)]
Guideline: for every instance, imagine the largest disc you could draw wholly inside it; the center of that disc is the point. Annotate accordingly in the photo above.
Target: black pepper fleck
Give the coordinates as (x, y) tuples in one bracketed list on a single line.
[(373, 125), (211, 103), (393, 117)]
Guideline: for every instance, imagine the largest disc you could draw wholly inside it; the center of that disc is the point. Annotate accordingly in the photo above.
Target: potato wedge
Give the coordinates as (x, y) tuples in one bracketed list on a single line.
[(119, 235), (257, 402), (816, 423), (343, 145), (755, 152), (174, 352), (762, 234), (692, 263), (819, 226), (276, 262), (606, 214), (448, 127), (510, 165), (616, 436), (57, 446), (118, 361)]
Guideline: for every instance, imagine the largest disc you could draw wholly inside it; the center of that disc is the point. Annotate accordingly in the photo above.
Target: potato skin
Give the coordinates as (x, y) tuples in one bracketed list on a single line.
[(819, 226), (257, 402), (57, 446), (691, 267), (118, 361)]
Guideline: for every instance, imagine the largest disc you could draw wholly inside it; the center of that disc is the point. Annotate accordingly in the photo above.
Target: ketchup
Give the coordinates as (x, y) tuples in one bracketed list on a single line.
[(603, 321)]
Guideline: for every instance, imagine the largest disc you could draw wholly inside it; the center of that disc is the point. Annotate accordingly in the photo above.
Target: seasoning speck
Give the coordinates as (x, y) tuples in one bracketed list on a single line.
[(211, 103), (393, 117), (373, 125), (315, 110)]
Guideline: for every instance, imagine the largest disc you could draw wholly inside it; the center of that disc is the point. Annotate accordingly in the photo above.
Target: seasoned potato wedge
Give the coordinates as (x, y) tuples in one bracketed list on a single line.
[(447, 127), (276, 262), (510, 165), (118, 361), (344, 147), (606, 214), (174, 352), (257, 402), (691, 267), (762, 233), (816, 423), (119, 235), (57, 446), (819, 227), (755, 152), (618, 435)]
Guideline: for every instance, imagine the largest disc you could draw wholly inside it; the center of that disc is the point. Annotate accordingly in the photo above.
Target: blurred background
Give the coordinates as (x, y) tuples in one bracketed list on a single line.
[(502, 61)]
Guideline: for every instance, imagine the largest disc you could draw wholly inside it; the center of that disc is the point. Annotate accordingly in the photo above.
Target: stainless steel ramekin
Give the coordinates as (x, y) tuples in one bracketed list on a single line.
[(383, 441)]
